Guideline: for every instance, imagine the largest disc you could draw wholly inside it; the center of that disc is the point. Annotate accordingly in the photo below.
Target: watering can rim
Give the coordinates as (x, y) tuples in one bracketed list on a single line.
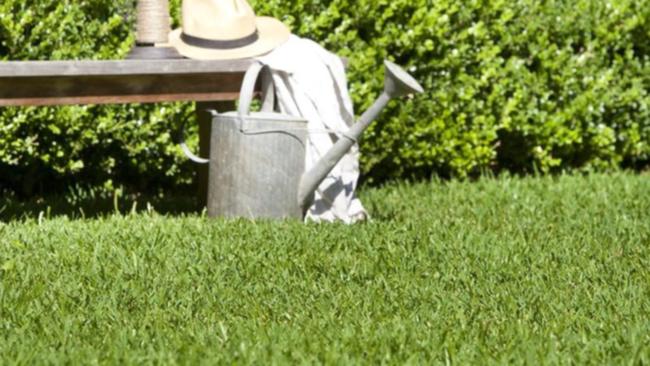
[(264, 116)]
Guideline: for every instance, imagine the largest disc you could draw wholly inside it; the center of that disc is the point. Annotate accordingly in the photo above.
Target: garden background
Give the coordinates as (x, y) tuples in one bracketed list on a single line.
[(497, 270), (521, 86)]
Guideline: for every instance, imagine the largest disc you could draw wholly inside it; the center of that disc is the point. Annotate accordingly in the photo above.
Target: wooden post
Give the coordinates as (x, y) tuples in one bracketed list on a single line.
[(152, 30), (204, 119)]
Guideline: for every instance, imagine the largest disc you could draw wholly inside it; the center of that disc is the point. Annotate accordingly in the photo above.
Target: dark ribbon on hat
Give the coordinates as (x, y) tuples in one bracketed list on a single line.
[(220, 44)]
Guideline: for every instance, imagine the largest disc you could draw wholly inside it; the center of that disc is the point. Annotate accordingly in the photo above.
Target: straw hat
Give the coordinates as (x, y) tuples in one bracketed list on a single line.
[(225, 29)]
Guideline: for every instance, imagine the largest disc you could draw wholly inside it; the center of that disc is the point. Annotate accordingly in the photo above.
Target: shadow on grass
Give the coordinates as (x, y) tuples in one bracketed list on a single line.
[(89, 206)]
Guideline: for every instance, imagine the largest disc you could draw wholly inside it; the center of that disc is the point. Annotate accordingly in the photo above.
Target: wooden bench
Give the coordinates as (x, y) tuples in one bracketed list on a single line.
[(214, 84)]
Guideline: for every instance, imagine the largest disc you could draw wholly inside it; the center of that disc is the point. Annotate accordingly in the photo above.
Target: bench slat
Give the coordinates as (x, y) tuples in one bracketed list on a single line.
[(39, 83), (119, 67)]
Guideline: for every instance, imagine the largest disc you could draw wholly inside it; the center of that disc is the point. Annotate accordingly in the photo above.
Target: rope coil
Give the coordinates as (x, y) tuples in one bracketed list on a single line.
[(153, 23)]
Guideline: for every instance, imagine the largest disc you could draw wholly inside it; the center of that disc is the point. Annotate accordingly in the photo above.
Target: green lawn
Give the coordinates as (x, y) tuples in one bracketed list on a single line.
[(524, 271)]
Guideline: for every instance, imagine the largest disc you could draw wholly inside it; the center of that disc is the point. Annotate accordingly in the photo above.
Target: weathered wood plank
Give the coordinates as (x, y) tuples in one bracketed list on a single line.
[(40, 83), (83, 89), (119, 100), (121, 67)]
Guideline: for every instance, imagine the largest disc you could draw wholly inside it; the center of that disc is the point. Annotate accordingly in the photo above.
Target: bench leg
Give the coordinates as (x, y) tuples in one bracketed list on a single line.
[(204, 120)]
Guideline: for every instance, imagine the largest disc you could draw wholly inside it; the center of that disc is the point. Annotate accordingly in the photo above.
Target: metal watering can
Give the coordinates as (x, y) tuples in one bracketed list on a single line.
[(257, 159)]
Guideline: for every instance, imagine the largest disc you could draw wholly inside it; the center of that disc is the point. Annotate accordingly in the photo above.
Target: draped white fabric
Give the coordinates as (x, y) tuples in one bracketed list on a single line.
[(311, 83)]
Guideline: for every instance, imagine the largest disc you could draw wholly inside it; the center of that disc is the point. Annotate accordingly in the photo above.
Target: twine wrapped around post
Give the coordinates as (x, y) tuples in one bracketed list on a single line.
[(152, 31), (153, 23)]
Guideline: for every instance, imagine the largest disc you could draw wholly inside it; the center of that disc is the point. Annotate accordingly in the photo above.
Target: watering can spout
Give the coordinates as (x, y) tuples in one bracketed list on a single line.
[(397, 83)]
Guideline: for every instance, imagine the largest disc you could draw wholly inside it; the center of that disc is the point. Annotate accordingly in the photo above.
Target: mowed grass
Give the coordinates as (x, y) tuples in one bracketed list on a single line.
[(522, 271)]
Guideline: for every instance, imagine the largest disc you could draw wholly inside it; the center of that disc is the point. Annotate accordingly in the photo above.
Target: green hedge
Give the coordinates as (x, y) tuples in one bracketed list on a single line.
[(522, 85)]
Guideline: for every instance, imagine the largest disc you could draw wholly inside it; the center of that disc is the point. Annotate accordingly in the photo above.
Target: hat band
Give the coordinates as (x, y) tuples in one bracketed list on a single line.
[(219, 44)]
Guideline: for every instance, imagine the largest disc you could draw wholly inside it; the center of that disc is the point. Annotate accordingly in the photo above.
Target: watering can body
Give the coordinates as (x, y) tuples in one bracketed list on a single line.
[(256, 165)]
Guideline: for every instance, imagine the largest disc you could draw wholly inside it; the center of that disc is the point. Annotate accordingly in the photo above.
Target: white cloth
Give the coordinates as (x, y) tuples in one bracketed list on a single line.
[(310, 82)]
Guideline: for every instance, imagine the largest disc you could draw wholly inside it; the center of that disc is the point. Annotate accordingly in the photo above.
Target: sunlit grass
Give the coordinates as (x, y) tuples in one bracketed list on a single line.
[(535, 270)]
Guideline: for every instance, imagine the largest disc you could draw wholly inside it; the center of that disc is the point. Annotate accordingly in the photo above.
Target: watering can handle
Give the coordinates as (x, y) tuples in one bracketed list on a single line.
[(248, 89)]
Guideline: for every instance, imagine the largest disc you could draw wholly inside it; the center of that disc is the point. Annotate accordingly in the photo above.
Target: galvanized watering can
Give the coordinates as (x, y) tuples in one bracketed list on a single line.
[(257, 159)]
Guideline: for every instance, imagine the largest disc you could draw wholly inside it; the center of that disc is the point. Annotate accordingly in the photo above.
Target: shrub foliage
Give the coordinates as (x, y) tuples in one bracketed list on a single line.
[(520, 85)]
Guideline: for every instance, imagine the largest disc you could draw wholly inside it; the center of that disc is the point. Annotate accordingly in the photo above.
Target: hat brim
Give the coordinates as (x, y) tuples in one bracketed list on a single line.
[(272, 33)]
